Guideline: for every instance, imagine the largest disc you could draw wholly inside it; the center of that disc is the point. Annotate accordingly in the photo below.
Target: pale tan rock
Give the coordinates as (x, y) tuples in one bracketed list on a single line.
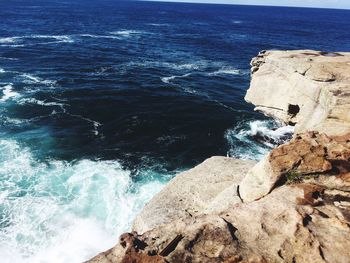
[(191, 192), (295, 223), (258, 182), (305, 87), (224, 200), (296, 200)]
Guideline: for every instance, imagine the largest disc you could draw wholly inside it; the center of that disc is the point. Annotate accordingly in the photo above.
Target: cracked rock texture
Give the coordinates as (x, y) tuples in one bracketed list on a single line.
[(308, 155), (302, 219), (193, 191), (292, 206), (308, 88)]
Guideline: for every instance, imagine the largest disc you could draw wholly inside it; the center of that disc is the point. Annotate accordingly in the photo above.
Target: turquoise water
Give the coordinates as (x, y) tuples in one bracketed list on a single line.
[(60, 211), (102, 102)]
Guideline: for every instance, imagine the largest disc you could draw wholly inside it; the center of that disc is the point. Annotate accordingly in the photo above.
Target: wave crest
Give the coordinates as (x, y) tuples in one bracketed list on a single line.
[(31, 79), (167, 80), (254, 139), (66, 211), (8, 93), (20, 41), (226, 71)]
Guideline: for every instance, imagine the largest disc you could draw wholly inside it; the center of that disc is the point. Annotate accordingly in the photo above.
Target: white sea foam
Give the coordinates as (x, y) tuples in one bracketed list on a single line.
[(226, 71), (237, 21), (18, 41), (168, 79), (12, 121), (99, 36), (5, 40), (62, 38), (39, 102), (57, 211), (191, 91), (175, 66), (8, 93), (254, 139), (187, 66), (127, 33), (2, 70), (8, 58), (158, 24), (264, 128), (94, 123), (30, 79)]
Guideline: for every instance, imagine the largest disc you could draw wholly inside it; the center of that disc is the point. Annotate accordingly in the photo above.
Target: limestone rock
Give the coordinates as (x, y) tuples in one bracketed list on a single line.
[(308, 88), (191, 192)]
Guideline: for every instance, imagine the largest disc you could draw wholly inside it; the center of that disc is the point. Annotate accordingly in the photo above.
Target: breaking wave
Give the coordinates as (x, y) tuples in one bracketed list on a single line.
[(99, 36), (39, 102), (127, 33), (57, 211), (20, 41), (8, 93), (253, 139), (30, 79), (200, 65), (168, 79), (226, 71)]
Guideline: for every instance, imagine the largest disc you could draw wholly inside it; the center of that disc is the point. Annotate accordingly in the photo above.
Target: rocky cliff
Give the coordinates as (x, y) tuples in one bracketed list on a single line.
[(292, 206), (308, 88)]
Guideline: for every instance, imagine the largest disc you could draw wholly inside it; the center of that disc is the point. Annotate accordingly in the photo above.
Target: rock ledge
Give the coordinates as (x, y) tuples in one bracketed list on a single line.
[(292, 206)]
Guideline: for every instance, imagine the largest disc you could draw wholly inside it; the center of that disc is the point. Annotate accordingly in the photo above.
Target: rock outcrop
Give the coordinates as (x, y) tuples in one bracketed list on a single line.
[(308, 155), (210, 185), (292, 206), (308, 88)]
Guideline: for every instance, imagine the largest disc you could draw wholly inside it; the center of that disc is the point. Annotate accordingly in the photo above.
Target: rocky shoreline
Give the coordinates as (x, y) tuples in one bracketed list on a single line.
[(292, 206)]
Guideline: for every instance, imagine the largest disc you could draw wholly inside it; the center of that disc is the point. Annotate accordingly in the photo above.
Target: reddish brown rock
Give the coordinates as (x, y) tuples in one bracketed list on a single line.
[(309, 154)]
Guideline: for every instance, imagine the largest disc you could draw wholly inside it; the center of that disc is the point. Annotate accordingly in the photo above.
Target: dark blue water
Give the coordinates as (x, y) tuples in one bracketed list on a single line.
[(101, 102)]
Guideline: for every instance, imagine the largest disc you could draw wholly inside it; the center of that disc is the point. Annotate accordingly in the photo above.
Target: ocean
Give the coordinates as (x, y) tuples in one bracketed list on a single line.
[(103, 102)]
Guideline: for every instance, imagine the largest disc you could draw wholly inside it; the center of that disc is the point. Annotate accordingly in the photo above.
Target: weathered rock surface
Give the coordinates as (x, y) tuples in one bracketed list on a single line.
[(292, 206), (309, 88), (193, 191), (308, 154), (295, 223)]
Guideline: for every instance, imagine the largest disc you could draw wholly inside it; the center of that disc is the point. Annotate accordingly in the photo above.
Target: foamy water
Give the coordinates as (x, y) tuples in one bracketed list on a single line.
[(8, 93), (102, 101), (254, 139), (128, 33), (30, 40), (59, 211), (227, 71)]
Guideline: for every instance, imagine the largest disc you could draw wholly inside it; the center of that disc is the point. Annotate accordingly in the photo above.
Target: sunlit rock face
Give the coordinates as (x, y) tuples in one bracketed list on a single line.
[(291, 206), (308, 88)]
